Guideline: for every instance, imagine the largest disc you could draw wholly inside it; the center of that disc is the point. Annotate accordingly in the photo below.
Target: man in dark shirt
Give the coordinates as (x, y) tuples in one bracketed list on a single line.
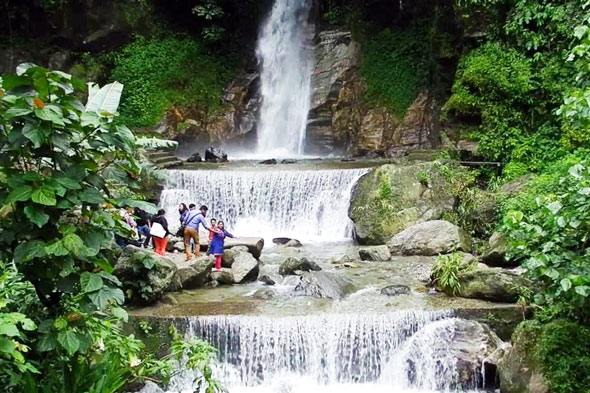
[(143, 221)]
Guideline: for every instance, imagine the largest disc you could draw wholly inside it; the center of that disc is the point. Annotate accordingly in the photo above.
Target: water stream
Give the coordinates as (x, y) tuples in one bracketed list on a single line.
[(285, 55), (303, 204), (390, 352)]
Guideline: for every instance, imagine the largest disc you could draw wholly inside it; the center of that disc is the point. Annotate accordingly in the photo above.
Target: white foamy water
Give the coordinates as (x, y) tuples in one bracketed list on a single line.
[(303, 204), (286, 61), (329, 353)]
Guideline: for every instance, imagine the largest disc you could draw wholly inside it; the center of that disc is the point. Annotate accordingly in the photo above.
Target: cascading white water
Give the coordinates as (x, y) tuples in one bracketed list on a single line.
[(303, 204), (285, 55), (329, 353)]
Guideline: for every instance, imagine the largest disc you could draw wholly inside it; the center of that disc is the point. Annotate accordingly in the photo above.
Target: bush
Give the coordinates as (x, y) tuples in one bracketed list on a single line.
[(563, 349), (550, 234), (63, 168), (396, 66), (161, 72), (447, 272)]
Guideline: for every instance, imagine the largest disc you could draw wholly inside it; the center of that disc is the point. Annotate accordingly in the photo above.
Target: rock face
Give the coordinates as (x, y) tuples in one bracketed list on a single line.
[(244, 267), (391, 198), (195, 273), (498, 285), (375, 253), (287, 242), (132, 271), (518, 371), (430, 238), (195, 157), (323, 285), (340, 119), (291, 265)]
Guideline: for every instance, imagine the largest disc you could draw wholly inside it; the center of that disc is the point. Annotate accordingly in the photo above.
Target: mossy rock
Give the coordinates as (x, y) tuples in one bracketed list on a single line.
[(394, 197)]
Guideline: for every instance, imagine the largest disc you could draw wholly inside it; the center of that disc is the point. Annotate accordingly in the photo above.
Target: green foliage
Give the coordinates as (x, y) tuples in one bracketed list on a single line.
[(447, 270), (396, 66), (63, 169), (551, 236), (492, 86), (161, 72), (563, 350)]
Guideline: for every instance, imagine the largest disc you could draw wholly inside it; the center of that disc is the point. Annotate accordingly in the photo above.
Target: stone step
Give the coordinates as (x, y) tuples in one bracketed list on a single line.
[(170, 164), (164, 159), (158, 154)]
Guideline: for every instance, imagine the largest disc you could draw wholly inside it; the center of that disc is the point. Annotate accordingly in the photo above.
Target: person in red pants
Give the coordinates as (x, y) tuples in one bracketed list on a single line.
[(160, 235), (219, 235)]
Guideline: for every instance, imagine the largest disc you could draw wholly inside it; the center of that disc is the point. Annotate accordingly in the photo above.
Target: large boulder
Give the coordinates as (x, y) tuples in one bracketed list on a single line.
[(494, 284), (495, 254), (323, 285), (475, 348), (230, 255), (244, 267), (519, 371), (430, 238), (375, 253), (195, 273), (291, 265), (215, 154), (253, 244), (145, 275), (225, 276), (391, 198)]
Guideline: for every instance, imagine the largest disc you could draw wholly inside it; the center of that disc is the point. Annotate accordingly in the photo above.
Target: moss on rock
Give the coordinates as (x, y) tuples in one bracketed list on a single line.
[(393, 197)]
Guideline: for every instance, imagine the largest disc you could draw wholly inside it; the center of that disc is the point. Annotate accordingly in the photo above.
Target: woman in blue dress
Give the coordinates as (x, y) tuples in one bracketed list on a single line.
[(216, 247)]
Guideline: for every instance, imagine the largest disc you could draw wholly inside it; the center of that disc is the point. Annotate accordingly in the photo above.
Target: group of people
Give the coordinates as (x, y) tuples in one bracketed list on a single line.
[(147, 227), (190, 220), (155, 229)]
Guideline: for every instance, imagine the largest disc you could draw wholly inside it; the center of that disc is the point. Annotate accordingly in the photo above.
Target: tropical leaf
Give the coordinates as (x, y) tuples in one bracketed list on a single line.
[(105, 99)]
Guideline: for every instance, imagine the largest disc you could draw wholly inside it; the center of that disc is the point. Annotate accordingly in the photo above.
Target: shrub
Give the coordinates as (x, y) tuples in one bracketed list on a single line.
[(551, 236), (396, 65), (161, 72), (447, 272)]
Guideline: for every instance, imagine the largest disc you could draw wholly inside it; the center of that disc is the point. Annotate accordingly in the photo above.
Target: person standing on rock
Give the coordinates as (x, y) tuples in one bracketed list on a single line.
[(143, 225), (211, 233), (160, 234), (191, 229), (216, 247)]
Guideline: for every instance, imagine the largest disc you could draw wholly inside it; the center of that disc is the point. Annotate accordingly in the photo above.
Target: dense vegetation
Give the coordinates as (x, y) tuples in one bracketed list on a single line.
[(65, 170), (161, 72)]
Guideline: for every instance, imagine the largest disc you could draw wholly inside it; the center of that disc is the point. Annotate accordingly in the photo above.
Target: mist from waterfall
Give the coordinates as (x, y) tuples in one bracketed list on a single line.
[(389, 352), (303, 204), (286, 61)]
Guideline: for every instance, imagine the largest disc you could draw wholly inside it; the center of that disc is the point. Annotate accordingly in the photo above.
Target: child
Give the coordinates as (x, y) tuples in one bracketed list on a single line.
[(211, 233), (219, 235)]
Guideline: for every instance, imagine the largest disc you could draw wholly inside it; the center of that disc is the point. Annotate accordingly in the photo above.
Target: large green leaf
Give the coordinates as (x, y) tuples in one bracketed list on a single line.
[(36, 216), (44, 196), (73, 243), (6, 345), (20, 194), (69, 341), (16, 111), (50, 113), (34, 134), (103, 296), (29, 250), (105, 99), (91, 195), (91, 282), (56, 248), (8, 329)]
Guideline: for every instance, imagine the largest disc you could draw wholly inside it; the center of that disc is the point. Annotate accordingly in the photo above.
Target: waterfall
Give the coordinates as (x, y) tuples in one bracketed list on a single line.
[(303, 204), (285, 55), (329, 353)]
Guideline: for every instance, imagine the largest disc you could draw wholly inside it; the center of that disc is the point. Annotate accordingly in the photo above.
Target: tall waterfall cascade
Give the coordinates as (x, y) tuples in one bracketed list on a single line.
[(286, 60), (329, 353), (303, 204)]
